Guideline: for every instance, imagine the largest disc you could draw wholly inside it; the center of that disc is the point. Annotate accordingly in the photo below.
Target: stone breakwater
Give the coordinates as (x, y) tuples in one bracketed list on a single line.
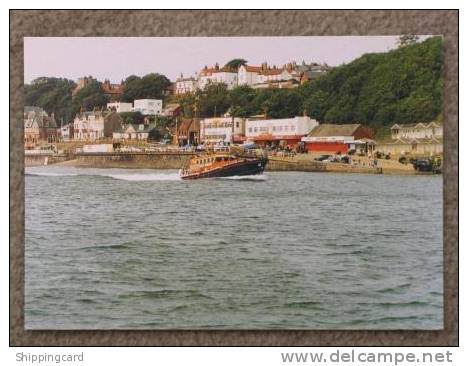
[(136, 160), (176, 159), (285, 164), (44, 159)]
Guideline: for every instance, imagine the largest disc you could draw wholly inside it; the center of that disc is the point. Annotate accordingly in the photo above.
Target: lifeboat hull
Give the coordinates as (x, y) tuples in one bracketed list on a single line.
[(248, 167)]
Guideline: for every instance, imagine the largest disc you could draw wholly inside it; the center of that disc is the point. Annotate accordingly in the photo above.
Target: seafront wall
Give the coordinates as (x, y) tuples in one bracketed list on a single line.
[(44, 159), (175, 160), (285, 164), (137, 160)]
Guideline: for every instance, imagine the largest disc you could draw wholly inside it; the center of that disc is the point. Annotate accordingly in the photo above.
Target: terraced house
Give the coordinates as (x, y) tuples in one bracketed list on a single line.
[(96, 125), (414, 139), (39, 127)]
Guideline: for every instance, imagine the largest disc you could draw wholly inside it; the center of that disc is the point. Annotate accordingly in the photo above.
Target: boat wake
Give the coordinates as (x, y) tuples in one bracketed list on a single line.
[(126, 176), (255, 178), (145, 177), (131, 176), (50, 174)]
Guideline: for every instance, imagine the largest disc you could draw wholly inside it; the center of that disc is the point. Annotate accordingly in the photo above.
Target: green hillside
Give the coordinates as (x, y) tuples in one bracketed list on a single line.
[(403, 85)]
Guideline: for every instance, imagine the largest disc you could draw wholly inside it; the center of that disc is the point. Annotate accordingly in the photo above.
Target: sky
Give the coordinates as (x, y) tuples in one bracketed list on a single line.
[(116, 58)]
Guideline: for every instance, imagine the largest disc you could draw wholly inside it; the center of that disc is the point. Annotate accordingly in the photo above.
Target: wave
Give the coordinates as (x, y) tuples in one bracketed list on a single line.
[(133, 177), (145, 177), (257, 177), (50, 174), (136, 177)]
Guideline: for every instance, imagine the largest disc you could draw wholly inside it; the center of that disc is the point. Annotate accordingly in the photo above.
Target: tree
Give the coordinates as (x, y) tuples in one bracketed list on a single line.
[(89, 97), (54, 95), (213, 101), (151, 86), (241, 101), (403, 85), (132, 117), (283, 103), (234, 64), (187, 103)]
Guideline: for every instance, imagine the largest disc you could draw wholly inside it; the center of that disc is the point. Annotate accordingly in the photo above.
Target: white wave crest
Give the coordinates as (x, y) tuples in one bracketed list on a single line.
[(144, 177), (134, 176), (50, 174), (259, 177)]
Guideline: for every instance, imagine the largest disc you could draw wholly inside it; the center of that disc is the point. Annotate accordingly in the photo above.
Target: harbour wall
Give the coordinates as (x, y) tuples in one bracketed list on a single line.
[(175, 160), (285, 164), (44, 159), (136, 160)]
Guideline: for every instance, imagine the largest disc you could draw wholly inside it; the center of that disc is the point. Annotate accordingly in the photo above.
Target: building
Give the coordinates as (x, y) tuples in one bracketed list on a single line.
[(273, 74), (275, 132), (39, 127), (287, 76), (142, 132), (120, 107), (188, 132), (148, 107), (333, 138), (113, 91), (417, 131), (224, 130), (217, 75), (81, 83), (96, 125), (185, 85), (266, 77), (172, 110), (248, 75), (414, 139), (309, 72), (66, 132)]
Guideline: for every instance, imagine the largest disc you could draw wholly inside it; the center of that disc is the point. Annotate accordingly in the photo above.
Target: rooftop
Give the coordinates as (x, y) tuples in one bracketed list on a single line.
[(326, 130)]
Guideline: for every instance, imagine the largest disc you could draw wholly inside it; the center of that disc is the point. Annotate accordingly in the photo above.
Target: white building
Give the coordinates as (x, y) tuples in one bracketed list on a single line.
[(185, 85), (253, 75), (417, 139), (248, 75), (417, 130), (217, 75), (81, 127), (120, 107), (92, 126), (221, 130), (148, 106), (273, 131), (66, 132)]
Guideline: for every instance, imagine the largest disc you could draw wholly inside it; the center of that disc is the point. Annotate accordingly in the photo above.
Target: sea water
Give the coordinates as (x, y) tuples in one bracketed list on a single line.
[(132, 249)]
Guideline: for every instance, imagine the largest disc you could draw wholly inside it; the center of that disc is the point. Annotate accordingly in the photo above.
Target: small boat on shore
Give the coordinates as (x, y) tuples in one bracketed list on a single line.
[(222, 165)]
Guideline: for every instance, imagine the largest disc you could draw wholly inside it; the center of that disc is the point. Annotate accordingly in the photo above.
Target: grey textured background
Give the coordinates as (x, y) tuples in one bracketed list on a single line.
[(227, 23)]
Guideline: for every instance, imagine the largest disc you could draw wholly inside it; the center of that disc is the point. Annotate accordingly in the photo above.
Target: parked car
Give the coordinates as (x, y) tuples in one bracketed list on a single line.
[(422, 165), (322, 157)]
